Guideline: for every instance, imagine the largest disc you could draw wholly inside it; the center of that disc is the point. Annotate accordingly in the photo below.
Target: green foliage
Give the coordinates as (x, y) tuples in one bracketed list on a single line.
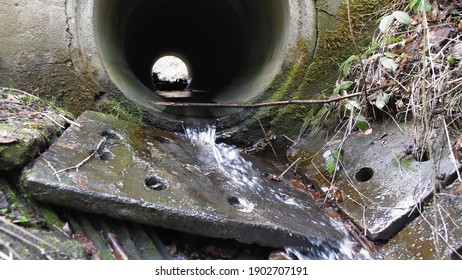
[(382, 100), (400, 16), (333, 160), (416, 5), (123, 110), (345, 66)]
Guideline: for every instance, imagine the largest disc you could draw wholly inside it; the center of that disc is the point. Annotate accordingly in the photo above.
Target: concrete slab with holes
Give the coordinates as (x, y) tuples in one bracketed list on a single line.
[(382, 177), (127, 171), (431, 236)]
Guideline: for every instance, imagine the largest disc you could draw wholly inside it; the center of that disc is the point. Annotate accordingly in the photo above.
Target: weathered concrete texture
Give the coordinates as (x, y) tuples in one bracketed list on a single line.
[(154, 177), (38, 56), (432, 236), (380, 184), (74, 50)]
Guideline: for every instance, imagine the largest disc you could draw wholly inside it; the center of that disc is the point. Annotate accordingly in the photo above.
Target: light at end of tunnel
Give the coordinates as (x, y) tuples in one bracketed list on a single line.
[(170, 73)]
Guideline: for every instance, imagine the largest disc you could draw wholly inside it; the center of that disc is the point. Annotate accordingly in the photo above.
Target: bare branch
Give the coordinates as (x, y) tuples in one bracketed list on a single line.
[(256, 105)]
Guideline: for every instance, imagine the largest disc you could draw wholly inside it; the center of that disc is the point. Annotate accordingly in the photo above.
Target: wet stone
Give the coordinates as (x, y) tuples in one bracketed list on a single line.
[(417, 240), (175, 183), (382, 178)]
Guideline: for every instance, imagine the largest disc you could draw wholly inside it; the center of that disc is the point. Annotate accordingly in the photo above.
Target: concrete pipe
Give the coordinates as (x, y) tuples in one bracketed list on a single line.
[(233, 49), (75, 51)]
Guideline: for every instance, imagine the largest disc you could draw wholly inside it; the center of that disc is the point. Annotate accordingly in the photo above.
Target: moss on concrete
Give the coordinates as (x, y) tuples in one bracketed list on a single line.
[(314, 78), (18, 154), (69, 89)]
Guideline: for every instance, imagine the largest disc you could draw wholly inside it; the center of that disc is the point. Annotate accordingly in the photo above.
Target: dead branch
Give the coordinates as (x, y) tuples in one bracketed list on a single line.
[(266, 135), (76, 167), (256, 105), (55, 122)]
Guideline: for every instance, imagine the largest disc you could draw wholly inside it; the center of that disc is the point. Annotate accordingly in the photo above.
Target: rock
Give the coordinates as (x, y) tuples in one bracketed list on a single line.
[(159, 178), (380, 183), (417, 240), (27, 124)]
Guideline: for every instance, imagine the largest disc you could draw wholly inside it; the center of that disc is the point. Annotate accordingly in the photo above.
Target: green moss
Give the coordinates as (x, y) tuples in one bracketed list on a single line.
[(314, 78), (122, 109), (68, 246)]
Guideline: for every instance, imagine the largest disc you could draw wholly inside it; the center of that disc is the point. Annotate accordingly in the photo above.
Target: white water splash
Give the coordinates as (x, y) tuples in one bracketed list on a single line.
[(223, 158), (227, 160)]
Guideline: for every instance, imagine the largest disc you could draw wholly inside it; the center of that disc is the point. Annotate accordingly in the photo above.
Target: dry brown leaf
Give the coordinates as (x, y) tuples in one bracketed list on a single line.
[(337, 194), (460, 25), (367, 132), (457, 190), (439, 35)]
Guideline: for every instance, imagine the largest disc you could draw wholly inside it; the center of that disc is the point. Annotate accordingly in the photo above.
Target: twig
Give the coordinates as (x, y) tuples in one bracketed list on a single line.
[(292, 165), (288, 138), (12, 253), (266, 135), (255, 105), (76, 167), (5, 257), (51, 119), (17, 90), (33, 243), (54, 170), (69, 120)]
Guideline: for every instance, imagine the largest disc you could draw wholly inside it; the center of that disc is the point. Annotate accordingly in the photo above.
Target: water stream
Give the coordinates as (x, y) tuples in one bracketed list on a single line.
[(242, 175)]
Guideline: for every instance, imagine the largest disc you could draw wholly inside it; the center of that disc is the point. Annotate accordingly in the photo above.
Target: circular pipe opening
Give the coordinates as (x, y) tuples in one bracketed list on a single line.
[(364, 174), (233, 48), (170, 73)]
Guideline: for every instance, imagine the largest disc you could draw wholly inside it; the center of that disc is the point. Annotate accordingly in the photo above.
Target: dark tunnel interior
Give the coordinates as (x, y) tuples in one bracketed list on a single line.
[(233, 48)]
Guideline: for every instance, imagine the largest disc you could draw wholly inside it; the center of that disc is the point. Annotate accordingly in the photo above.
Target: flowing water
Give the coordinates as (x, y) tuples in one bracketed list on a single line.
[(241, 174)]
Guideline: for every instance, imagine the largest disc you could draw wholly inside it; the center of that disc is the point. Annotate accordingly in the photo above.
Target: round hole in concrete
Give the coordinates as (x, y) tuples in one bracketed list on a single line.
[(364, 174), (241, 204), (155, 183), (170, 73), (457, 254), (232, 200)]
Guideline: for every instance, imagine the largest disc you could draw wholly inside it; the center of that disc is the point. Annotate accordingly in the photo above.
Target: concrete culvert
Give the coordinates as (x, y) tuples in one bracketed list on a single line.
[(234, 49)]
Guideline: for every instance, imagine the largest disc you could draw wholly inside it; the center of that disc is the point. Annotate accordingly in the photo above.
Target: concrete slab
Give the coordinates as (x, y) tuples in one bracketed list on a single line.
[(432, 236), (380, 183), (155, 177)]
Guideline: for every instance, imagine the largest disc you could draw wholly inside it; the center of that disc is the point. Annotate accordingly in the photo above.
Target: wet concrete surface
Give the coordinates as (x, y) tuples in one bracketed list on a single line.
[(421, 239), (381, 180), (126, 171)]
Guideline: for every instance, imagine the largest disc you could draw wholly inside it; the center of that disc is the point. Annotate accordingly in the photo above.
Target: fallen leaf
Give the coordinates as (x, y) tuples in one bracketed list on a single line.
[(457, 51), (8, 139), (439, 35), (382, 100), (337, 194), (388, 63), (460, 25), (457, 190), (367, 132)]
